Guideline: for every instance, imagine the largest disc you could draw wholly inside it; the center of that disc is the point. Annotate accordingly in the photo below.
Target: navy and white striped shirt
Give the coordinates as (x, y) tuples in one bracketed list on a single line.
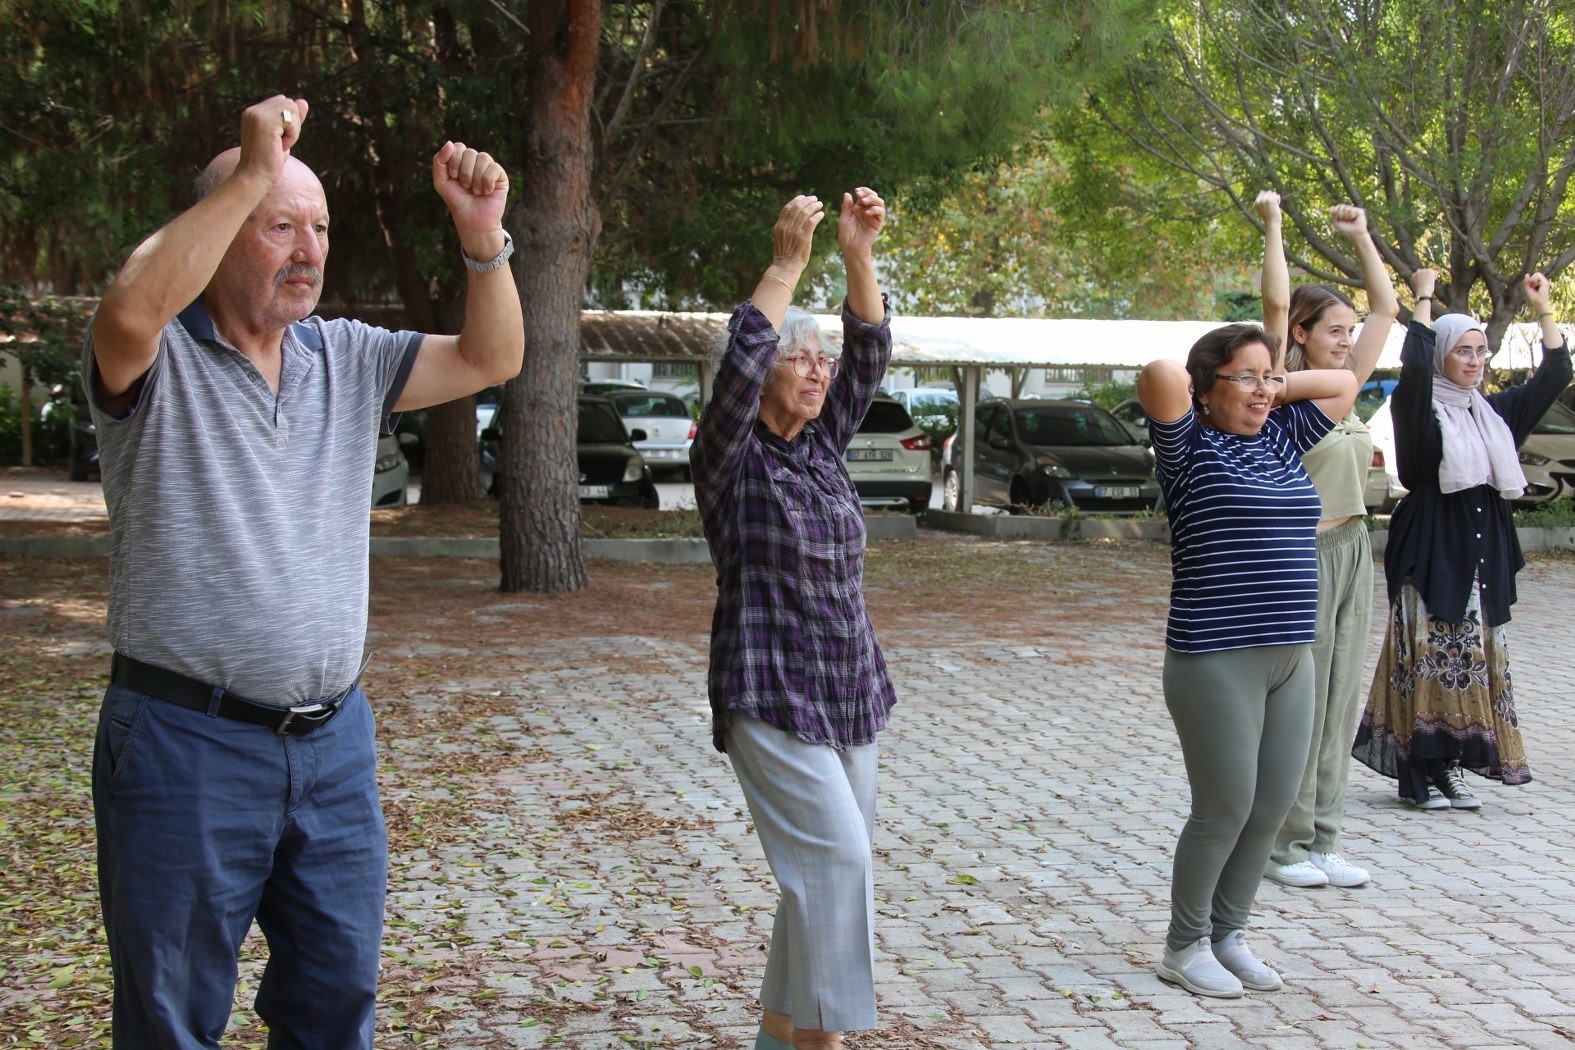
[(1243, 525)]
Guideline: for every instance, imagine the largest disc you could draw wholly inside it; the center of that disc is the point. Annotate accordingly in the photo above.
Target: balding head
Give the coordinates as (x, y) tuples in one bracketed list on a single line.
[(220, 168)]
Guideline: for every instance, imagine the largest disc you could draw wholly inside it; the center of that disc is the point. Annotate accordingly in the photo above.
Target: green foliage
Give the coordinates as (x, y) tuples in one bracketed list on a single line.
[(1554, 514), (815, 98), (1453, 131), (1107, 395)]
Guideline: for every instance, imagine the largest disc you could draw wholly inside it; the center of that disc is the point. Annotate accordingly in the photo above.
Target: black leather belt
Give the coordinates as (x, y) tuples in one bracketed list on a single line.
[(174, 688)]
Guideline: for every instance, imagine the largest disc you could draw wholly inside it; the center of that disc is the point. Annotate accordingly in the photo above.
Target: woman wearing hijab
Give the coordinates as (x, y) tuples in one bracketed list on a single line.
[(1442, 700)]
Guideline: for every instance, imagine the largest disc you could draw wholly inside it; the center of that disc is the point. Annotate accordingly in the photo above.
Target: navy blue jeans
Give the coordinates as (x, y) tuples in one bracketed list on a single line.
[(205, 824)]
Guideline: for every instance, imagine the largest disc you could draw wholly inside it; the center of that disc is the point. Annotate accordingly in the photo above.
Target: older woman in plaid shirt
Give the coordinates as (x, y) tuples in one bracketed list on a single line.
[(798, 686)]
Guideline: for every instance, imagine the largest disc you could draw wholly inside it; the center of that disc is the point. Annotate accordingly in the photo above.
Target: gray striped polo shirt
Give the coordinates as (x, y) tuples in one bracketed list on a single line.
[(240, 519)]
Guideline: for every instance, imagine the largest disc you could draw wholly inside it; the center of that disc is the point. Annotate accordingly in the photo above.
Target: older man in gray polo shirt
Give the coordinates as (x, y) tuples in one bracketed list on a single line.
[(234, 775)]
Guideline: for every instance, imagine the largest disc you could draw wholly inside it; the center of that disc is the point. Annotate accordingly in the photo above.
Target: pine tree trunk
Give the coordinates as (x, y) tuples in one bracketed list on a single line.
[(557, 225)]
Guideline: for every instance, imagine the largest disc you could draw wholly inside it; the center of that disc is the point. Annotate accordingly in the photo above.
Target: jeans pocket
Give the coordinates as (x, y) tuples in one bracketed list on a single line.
[(120, 725)]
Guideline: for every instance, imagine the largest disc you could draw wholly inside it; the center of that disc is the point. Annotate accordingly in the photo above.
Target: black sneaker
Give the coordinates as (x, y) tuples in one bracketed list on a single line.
[(1456, 790), (1436, 799)]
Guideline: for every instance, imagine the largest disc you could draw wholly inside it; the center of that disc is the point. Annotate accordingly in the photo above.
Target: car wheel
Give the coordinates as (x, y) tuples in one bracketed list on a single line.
[(951, 491)]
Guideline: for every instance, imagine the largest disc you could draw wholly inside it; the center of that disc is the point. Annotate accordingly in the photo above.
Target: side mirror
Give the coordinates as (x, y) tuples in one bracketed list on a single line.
[(637, 435), (999, 442), (490, 434)]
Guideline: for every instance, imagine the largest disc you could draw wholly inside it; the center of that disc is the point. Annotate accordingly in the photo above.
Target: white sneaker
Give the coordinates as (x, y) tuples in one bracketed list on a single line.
[(1337, 872), (1456, 790), (1197, 970), (1302, 873), (1233, 954)]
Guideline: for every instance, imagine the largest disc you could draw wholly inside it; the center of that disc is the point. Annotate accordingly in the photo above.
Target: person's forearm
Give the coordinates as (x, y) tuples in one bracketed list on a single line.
[(173, 266), (774, 292), (1313, 384), (864, 299), (1383, 306), (1552, 335), (1276, 287), (493, 339)]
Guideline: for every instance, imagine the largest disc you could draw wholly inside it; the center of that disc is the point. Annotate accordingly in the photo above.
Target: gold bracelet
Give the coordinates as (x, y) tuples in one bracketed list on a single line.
[(1548, 314), (771, 276)]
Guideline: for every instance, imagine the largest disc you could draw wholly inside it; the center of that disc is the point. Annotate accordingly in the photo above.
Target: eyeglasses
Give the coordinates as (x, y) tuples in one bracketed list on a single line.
[(1465, 353), (1256, 382), (807, 365)]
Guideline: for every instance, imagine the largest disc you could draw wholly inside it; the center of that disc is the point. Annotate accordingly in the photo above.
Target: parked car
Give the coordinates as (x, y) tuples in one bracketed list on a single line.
[(1032, 453), (1547, 458), (391, 473), (889, 459), (611, 470), (1131, 415), (669, 427), (927, 404), (602, 387)]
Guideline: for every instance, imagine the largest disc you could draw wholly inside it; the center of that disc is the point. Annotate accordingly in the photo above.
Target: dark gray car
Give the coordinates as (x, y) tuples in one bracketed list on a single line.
[(1072, 453)]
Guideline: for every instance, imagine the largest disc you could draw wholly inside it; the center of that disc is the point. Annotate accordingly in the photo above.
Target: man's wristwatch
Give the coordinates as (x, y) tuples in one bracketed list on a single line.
[(493, 263)]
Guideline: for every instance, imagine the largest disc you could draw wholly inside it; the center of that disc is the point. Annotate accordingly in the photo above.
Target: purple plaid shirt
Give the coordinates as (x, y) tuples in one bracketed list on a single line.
[(791, 642)]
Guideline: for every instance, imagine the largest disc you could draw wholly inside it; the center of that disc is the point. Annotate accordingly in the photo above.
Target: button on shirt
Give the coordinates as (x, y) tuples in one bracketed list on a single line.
[(791, 641)]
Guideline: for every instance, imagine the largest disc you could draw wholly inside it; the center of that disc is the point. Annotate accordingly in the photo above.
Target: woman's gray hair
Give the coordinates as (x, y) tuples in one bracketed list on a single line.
[(800, 332)]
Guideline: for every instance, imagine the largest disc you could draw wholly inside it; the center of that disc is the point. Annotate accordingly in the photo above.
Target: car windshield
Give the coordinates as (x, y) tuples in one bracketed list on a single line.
[(646, 406), (599, 424), (885, 417), (1559, 420), (1068, 425), (931, 400)]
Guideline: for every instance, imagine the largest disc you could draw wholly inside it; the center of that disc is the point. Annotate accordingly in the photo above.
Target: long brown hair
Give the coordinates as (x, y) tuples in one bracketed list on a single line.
[(1308, 304)]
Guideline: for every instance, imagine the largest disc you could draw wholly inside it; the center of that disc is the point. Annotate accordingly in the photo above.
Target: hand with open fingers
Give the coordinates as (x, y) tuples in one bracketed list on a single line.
[(1350, 220), (1267, 206), (1538, 292), (473, 185), (795, 230), (1423, 281), (269, 130), (863, 216)]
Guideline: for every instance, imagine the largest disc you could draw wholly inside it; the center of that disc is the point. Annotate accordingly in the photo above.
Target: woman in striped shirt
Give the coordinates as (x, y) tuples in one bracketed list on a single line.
[(1229, 430)]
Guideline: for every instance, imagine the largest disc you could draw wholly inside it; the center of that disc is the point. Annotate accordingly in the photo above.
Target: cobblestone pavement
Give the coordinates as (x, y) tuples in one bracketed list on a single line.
[(1030, 798), (607, 890)]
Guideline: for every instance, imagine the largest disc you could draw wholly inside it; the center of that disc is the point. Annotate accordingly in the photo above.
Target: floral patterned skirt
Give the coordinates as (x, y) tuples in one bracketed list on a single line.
[(1442, 694)]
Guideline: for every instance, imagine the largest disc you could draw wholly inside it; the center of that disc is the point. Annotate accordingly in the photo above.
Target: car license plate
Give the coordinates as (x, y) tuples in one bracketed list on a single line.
[(660, 453), (595, 491), (869, 455), (1117, 492)]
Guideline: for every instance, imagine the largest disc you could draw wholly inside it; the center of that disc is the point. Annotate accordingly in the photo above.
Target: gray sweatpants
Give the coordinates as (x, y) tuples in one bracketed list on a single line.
[(814, 810), (1345, 618), (1244, 717)]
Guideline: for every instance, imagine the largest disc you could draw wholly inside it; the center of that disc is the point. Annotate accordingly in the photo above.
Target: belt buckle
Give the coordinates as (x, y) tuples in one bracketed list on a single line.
[(307, 710)]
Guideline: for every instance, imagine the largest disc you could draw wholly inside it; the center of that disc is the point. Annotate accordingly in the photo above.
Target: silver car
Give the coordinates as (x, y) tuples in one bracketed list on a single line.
[(669, 428), (1547, 458)]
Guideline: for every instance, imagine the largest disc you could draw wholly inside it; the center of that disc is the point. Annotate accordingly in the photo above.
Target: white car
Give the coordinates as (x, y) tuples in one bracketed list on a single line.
[(1547, 458), (889, 459), (664, 419)]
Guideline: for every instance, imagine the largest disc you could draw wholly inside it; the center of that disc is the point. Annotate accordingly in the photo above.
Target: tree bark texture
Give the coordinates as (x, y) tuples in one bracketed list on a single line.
[(557, 224)]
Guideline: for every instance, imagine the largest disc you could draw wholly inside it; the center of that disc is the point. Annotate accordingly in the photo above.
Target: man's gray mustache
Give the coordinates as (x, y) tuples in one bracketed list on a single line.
[(298, 270)]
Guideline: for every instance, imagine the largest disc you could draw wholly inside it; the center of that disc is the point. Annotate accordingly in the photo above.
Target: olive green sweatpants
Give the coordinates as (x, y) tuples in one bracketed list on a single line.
[(1244, 718), (1345, 618)]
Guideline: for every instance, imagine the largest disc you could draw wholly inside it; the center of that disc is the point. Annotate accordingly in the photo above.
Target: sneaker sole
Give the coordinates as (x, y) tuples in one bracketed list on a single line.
[(1177, 977), (1474, 803), (1427, 807), (1350, 884), (1298, 883)]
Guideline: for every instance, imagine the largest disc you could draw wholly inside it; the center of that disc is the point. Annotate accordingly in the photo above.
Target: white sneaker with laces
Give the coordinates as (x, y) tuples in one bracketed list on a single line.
[(1233, 954), (1197, 970), (1302, 873), (1337, 871)]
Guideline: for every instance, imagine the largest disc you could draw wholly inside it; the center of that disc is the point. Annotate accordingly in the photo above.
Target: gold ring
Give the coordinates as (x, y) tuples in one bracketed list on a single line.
[(286, 116)]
